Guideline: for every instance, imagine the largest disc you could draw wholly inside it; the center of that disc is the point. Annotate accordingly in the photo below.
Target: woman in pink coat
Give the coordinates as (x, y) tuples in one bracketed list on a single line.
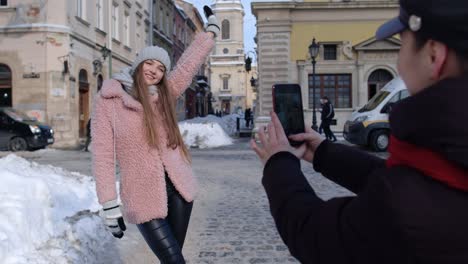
[(134, 124)]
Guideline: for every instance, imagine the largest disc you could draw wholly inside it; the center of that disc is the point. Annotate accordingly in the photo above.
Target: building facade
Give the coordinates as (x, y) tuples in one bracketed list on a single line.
[(163, 24), (351, 66), (55, 54), (230, 83), (198, 98)]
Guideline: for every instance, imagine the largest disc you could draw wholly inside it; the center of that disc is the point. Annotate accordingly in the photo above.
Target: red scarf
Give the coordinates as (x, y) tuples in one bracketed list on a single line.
[(428, 162)]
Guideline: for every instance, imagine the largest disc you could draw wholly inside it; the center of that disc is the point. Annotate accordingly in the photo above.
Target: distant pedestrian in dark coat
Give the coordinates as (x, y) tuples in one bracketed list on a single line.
[(88, 135), (248, 117), (328, 112)]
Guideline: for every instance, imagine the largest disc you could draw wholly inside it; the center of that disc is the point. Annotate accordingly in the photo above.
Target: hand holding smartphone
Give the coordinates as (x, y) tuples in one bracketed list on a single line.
[(287, 104)]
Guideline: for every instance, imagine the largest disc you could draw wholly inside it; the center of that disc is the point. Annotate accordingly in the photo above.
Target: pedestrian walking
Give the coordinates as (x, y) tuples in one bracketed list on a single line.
[(327, 114), (410, 208), (248, 117), (135, 125), (88, 135)]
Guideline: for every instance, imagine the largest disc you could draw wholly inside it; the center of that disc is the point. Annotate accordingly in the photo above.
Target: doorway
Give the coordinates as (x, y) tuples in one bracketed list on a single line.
[(83, 102), (226, 106)]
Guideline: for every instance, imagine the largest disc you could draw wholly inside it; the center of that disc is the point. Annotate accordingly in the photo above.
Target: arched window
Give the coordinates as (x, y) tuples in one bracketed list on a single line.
[(225, 29), (380, 76), (83, 79), (377, 80), (5, 86)]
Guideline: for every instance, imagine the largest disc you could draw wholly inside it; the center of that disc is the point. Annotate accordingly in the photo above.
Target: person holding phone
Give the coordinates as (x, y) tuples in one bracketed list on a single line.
[(412, 207), (134, 123)]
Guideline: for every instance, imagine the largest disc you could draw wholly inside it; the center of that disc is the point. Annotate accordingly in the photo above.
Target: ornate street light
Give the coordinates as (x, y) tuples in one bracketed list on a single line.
[(314, 50), (248, 61), (107, 53)]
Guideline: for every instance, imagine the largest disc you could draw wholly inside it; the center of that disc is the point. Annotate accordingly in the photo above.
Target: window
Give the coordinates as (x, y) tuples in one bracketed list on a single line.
[(138, 35), (100, 14), (3, 3), (329, 52), (168, 24), (161, 19), (148, 41), (225, 29), (81, 9), (225, 83), (126, 27), (115, 21), (336, 86)]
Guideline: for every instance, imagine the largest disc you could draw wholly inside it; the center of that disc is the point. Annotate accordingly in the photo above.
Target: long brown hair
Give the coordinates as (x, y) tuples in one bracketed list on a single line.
[(141, 94)]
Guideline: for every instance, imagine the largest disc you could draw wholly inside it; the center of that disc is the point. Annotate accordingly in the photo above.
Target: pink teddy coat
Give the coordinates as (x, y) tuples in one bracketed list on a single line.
[(117, 122)]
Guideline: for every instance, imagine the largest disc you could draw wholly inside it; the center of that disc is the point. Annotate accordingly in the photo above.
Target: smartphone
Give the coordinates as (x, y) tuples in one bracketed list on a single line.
[(287, 104)]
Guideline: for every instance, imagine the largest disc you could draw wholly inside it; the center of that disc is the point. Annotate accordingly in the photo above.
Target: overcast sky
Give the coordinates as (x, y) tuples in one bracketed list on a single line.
[(249, 21)]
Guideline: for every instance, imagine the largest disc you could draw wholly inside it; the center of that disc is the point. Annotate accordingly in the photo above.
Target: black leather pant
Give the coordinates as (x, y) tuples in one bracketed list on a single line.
[(166, 236)]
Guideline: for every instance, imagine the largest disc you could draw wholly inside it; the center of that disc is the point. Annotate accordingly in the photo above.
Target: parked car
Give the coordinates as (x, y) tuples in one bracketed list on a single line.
[(19, 132), (369, 126)]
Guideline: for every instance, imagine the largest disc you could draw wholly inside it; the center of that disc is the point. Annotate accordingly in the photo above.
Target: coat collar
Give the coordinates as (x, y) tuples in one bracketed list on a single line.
[(112, 89), (435, 119)]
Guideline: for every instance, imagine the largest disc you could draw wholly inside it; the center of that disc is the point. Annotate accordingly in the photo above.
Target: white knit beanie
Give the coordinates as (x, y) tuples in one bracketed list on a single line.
[(152, 53)]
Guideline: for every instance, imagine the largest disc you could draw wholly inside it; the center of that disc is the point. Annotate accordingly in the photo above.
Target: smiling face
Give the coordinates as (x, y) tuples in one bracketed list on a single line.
[(153, 71)]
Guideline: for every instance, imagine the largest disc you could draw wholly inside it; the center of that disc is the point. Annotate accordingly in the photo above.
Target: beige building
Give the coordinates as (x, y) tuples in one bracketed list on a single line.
[(54, 55), (230, 83), (351, 66)]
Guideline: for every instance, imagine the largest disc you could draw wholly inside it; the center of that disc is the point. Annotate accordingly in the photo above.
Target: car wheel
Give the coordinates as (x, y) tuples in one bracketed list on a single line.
[(379, 140), (18, 144)]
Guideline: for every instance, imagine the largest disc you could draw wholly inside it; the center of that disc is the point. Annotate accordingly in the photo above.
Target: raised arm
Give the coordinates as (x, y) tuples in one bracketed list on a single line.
[(180, 78), (103, 149)]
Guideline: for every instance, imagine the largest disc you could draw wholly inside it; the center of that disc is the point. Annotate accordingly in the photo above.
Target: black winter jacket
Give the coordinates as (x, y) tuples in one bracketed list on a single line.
[(399, 215), (327, 111)]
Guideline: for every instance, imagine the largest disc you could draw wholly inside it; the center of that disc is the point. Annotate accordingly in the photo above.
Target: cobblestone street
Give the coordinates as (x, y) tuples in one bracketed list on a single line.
[(230, 223)]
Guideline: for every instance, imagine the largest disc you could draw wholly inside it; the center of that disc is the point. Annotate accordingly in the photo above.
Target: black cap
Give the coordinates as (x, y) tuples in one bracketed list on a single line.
[(442, 20)]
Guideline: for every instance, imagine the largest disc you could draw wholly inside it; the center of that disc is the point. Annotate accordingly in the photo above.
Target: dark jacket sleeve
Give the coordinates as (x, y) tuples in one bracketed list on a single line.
[(325, 111), (345, 165), (341, 230)]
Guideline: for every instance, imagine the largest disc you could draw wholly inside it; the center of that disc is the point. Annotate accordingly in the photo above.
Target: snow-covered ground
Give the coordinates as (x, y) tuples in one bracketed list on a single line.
[(210, 131), (49, 215)]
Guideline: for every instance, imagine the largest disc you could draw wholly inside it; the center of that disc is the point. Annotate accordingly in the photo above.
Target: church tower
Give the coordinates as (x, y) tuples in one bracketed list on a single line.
[(228, 77)]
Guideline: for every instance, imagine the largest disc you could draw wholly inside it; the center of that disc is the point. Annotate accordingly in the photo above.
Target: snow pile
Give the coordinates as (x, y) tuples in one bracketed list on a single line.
[(208, 132), (48, 215), (205, 135)]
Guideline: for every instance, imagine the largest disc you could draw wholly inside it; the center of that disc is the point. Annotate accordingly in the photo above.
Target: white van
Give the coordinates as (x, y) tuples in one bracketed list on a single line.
[(369, 126)]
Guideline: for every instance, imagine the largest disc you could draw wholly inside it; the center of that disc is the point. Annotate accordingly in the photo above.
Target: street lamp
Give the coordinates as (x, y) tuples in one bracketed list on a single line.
[(248, 61), (314, 50), (107, 53)]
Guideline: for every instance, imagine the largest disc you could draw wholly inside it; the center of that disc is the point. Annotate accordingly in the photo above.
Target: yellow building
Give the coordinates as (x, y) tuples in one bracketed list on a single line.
[(351, 66)]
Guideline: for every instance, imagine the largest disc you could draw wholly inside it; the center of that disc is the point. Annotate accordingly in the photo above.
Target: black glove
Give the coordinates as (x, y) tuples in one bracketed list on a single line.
[(212, 25), (113, 218)]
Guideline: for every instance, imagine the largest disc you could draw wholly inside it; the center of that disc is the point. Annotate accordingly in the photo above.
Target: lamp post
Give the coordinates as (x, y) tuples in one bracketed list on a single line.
[(248, 61), (313, 50), (107, 53)]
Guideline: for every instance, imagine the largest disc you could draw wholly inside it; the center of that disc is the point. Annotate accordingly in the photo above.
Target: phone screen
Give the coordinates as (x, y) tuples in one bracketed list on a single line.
[(287, 103)]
